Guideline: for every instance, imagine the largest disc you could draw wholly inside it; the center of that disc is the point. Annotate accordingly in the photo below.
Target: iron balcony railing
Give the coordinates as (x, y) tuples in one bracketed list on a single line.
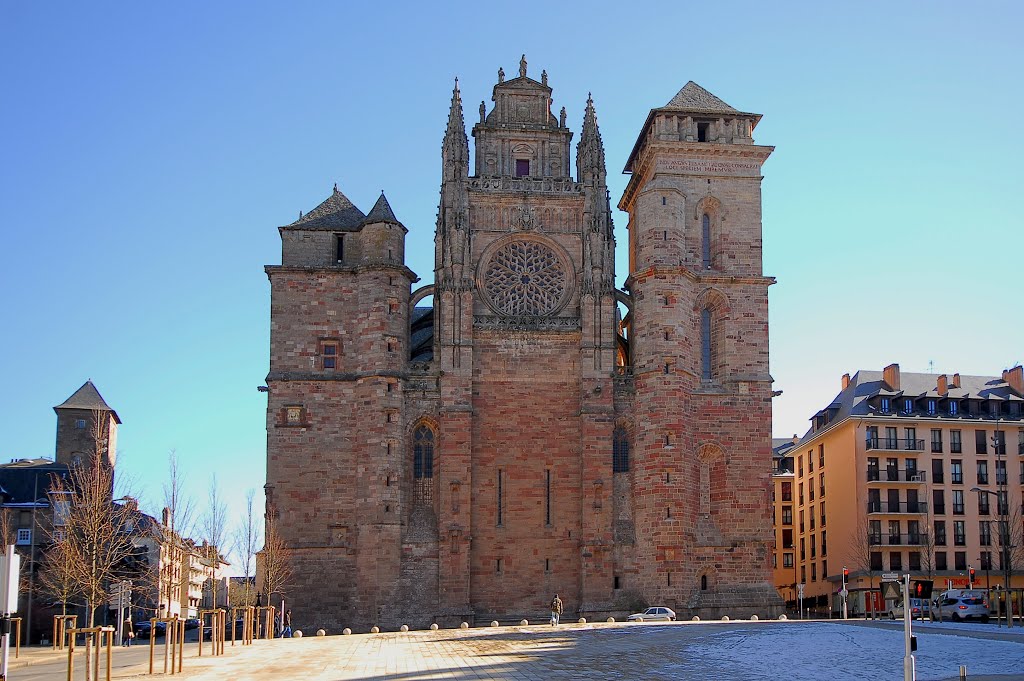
[(885, 539), (913, 507), (896, 475), (895, 443)]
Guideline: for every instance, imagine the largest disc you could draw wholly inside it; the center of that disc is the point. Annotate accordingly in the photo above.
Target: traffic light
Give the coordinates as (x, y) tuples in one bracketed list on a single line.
[(972, 577), (923, 588), (846, 575)]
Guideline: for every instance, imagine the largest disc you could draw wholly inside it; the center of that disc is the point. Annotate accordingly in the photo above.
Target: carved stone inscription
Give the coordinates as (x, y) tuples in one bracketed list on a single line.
[(690, 166)]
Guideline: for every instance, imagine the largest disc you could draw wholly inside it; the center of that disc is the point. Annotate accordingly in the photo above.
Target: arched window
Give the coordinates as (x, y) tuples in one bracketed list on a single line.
[(705, 240), (705, 344), (423, 453), (423, 463), (703, 582), (620, 451)]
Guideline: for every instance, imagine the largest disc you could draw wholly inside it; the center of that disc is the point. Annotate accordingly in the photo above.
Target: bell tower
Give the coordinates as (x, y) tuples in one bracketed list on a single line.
[(699, 352)]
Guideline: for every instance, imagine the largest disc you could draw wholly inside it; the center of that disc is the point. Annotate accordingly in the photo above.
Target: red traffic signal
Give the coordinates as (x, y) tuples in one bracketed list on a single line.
[(972, 575), (846, 573)]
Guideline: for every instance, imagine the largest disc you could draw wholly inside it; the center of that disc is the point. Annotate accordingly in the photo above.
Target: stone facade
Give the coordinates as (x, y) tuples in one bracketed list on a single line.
[(446, 453)]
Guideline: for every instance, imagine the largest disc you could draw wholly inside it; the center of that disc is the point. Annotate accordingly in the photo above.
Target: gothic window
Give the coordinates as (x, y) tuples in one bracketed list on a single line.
[(705, 239), (620, 451), (423, 462), (705, 344)]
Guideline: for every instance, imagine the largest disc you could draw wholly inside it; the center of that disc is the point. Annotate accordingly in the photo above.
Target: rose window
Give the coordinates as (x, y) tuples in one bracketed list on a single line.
[(525, 278)]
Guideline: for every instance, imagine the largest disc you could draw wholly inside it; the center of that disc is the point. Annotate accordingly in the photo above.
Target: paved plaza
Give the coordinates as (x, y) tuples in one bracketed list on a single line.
[(698, 651)]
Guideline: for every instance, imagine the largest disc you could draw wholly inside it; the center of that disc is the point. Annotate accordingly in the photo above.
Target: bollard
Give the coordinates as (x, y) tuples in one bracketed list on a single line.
[(753, 618), (610, 620), (524, 623), (321, 632), (494, 623), (464, 625), (695, 619), (345, 632), (433, 627), (783, 618), (404, 628), (582, 620), (297, 633), (725, 618), (374, 630), (963, 672)]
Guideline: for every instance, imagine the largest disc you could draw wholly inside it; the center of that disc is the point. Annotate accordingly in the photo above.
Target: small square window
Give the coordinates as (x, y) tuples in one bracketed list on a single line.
[(329, 354), (80, 424), (522, 167), (24, 537)]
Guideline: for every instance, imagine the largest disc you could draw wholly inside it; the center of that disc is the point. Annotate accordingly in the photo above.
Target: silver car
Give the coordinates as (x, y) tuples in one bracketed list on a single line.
[(656, 614), (966, 607)]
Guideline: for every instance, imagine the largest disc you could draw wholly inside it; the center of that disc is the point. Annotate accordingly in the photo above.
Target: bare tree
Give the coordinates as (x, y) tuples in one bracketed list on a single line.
[(180, 507), (7, 536), (247, 543), (862, 545), (57, 577), (215, 528), (275, 558), (94, 531)]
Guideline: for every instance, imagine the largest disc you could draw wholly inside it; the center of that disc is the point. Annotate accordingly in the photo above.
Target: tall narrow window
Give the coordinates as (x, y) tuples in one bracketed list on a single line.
[(423, 463), (501, 498), (329, 354), (547, 497), (705, 343), (705, 241), (339, 247), (620, 451)]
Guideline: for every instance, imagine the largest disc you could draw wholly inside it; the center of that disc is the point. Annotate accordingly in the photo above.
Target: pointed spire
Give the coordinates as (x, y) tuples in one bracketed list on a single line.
[(87, 397), (455, 148), (336, 211), (590, 150), (381, 211)]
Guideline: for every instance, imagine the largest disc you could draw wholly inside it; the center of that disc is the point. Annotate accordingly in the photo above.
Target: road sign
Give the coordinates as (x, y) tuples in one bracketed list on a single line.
[(890, 577), (844, 593), (891, 590)]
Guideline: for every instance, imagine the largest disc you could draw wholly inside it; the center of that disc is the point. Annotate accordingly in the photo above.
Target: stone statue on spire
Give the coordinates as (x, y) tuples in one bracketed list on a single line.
[(501, 75), (561, 118), (544, 77), (522, 67), (483, 111)]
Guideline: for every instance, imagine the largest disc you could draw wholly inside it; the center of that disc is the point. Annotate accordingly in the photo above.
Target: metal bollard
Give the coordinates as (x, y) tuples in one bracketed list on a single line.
[(963, 672)]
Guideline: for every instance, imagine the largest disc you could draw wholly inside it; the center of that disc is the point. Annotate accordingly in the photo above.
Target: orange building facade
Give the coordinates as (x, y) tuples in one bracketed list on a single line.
[(905, 473)]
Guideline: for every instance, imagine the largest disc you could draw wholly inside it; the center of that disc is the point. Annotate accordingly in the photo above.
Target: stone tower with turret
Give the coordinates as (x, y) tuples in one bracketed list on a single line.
[(699, 356), (518, 427), (86, 429)]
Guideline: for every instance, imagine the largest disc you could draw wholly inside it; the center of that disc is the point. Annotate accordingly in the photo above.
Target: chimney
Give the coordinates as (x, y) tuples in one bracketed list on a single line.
[(846, 381), (131, 503), (1015, 377), (956, 380), (942, 385), (796, 438), (166, 516), (891, 376)]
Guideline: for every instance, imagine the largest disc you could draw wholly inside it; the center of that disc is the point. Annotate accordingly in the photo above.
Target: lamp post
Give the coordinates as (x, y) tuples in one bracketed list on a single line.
[(1004, 522)]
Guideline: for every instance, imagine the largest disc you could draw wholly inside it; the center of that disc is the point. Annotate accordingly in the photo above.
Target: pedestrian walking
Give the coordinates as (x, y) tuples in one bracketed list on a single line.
[(556, 610), (287, 631), (127, 632)]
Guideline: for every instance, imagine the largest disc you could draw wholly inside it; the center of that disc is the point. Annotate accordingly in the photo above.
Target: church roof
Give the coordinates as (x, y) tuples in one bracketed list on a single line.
[(695, 98), (335, 213), (381, 212), (87, 397)]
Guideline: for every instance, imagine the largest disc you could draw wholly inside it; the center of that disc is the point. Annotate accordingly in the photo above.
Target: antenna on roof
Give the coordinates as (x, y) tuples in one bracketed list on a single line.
[(931, 366)]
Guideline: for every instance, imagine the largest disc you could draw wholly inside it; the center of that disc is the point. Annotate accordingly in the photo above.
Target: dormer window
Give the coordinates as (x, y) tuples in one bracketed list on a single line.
[(931, 407), (953, 408), (884, 408), (908, 406), (522, 167)]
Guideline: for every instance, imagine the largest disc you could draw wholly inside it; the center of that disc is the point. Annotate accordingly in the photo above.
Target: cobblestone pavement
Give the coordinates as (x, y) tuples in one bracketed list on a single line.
[(593, 651)]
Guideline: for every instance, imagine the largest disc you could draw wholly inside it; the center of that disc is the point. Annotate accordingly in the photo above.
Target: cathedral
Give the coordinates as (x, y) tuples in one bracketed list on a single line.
[(464, 449)]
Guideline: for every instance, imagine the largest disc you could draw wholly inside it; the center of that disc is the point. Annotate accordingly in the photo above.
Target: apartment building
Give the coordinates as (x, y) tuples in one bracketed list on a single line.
[(909, 473)]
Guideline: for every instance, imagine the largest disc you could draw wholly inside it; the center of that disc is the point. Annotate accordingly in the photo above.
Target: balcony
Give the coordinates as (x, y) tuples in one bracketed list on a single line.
[(903, 507), (919, 539), (895, 444), (896, 475)]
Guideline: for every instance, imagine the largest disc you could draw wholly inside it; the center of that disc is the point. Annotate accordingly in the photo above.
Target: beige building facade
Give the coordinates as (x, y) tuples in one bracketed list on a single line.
[(906, 473)]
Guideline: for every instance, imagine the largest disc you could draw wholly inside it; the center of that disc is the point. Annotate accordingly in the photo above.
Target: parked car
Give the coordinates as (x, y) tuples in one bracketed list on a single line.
[(919, 609), (963, 607), (142, 629), (655, 614), (192, 623)]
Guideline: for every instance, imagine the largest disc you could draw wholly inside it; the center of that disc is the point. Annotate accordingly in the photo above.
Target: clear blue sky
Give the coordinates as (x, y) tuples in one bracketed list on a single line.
[(150, 150)]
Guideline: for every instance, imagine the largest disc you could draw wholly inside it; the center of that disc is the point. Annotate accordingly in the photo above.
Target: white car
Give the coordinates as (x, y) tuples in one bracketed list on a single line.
[(656, 614)]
